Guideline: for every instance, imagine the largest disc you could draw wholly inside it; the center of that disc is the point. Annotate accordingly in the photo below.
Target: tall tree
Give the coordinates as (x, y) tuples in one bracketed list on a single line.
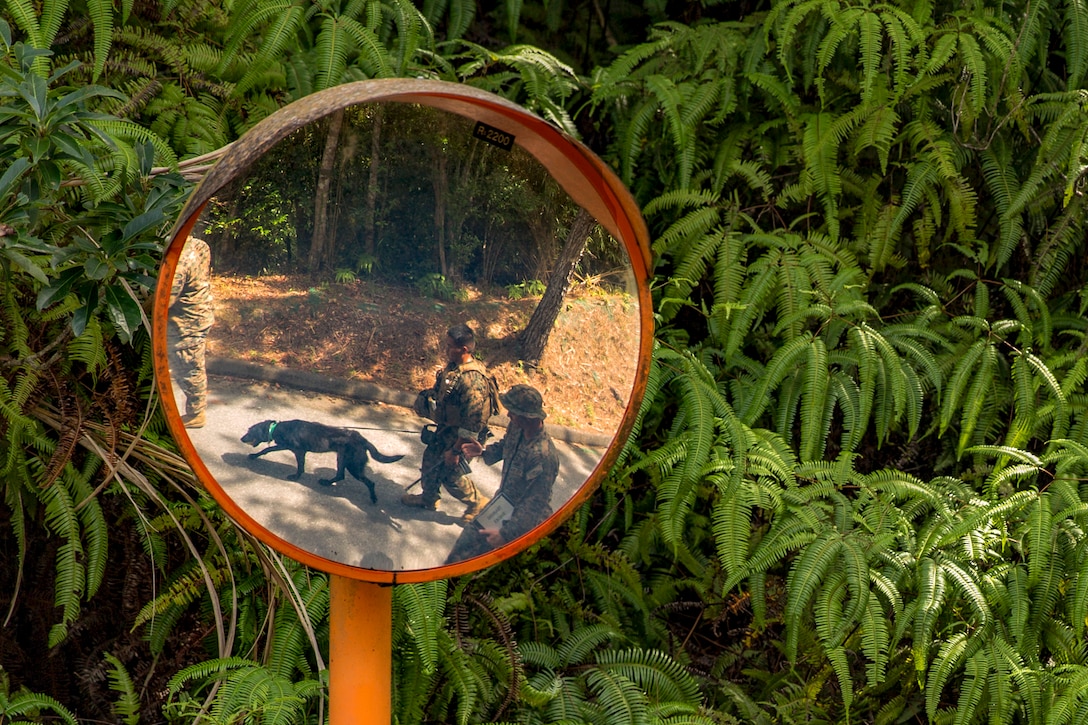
[(323, 241), (370, 214), (534, 338)]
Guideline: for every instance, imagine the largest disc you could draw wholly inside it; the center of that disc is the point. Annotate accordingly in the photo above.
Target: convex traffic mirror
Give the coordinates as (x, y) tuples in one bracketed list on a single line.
[(402, 329)]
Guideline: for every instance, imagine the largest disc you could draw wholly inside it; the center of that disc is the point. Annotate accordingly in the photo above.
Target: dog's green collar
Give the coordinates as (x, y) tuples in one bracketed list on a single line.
[(271, 429)]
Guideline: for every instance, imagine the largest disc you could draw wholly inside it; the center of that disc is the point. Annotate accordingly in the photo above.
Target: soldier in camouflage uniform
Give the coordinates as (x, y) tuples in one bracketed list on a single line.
[(530, 466), (190, 318), (460, 403)]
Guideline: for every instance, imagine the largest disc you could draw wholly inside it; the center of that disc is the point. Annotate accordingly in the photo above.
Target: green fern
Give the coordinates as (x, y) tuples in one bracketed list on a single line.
[(245, 688), (127, 706), (29, 704)]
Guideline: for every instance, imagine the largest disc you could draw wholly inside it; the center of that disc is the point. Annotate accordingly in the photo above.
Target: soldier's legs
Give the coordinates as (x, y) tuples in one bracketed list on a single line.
[(464, 490), (187, 367), (436, 474), (460, 487), (431, 471)]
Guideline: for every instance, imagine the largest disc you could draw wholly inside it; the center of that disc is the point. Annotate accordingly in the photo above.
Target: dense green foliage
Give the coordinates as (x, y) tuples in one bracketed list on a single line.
[(856, 492)]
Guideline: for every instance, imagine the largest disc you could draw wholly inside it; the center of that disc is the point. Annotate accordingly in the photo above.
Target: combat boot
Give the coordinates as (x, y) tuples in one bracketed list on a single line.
[(194, 420), (474, 508), (194, 412), (416, 500)]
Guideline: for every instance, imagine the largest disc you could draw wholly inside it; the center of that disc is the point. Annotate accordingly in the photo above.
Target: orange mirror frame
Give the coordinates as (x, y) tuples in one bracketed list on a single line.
[(581, 174)]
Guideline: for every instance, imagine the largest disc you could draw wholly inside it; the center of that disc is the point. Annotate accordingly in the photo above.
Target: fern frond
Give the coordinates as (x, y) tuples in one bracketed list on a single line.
[(1075, 31), (656, 673), (732, 529), (757, 294), (976, 676), (127, 706), (540, 654), (984, 513), (101, 14), (62, 519), (824, 136), (875, 642), (837, 657), (843, 25), (877, 131), (331, 50), (92, 521), (34, 705), (846, 395), (964, 372), (1002, 185), (804, 581), (969, 589), (978, 395), (931, 595), (773, 548), (870, 41), (784, 361), (815, 412), (633, 136), (620, 699), (920, 178), (373, 52), (1019, 599), (286, 18), (581, 643), (424, 605), (26, 18)]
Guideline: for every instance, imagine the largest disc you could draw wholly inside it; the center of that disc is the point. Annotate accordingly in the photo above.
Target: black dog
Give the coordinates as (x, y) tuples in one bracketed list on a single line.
[(302, 437)]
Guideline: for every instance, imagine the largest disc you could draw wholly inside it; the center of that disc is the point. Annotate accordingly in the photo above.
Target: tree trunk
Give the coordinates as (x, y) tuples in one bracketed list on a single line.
[(441, 192), (370, 212), (324, 232), (225, 242), (534, 337)]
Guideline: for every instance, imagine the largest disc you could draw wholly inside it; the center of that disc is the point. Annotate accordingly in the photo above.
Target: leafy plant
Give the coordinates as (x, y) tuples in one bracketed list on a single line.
[(24, 707), (862, 401), (54, 143), (346, 276), (244, 689), (528, 288), (436, 286)]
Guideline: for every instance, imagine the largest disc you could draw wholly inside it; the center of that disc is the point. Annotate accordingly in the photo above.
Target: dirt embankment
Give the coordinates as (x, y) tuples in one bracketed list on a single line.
[(393, 336)]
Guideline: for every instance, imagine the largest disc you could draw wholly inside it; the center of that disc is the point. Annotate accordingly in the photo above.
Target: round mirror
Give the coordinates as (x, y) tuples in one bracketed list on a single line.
[(402, 329)]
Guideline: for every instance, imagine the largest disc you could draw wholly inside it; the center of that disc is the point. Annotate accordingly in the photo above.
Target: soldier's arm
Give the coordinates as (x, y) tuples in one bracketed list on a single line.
[(181, 279), (493, 453)]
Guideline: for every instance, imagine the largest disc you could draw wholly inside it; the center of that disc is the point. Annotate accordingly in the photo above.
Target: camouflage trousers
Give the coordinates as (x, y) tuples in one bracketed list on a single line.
[(187, 366), (437, 474), (469, 544)]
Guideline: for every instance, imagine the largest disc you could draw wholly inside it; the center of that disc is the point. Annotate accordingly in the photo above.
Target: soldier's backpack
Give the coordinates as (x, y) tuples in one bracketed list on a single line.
[(492, 384)]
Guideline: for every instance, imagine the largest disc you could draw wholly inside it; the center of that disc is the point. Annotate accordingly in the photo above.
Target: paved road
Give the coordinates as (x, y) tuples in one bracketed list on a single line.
[(339, 522)]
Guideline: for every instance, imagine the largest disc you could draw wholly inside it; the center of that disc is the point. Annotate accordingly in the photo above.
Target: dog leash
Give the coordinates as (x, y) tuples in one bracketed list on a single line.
[(411, 485), (387, 430)]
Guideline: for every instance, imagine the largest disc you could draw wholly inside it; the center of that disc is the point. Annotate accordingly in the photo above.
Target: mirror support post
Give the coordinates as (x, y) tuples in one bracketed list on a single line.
[(360, 652)]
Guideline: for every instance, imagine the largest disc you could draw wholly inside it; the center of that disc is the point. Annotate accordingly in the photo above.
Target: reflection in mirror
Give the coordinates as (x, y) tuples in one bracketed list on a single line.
[(344, 269)]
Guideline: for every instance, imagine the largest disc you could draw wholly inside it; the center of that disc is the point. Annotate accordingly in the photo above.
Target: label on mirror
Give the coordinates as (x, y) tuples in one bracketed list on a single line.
[(494, 136)]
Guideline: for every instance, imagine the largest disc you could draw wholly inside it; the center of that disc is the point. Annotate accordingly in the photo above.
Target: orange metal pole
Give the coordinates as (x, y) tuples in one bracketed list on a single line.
[(360, 652)]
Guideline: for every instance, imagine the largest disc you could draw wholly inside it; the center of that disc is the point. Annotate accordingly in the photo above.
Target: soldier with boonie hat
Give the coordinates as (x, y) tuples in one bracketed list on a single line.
[(529, 469), (524, 400)]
